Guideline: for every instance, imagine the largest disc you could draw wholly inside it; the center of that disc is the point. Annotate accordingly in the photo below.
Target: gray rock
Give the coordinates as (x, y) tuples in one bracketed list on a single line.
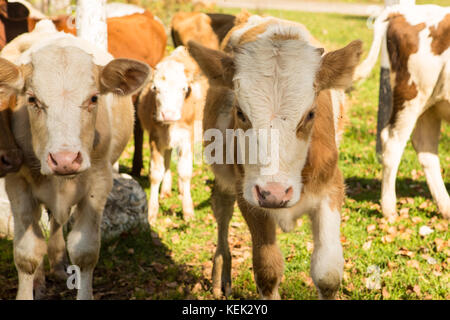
[(126, 209)]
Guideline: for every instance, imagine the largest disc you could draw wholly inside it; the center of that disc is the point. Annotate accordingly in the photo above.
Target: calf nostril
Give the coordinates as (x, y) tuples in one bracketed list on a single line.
[(261, 193), (52, 159), (79, 158), (5, 161)]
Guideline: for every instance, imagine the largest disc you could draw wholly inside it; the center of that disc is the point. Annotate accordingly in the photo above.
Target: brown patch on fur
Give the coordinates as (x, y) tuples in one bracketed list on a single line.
[(337, 68), (321, 165), (402, 42), (305, 125), (253, 33), (441, 36)]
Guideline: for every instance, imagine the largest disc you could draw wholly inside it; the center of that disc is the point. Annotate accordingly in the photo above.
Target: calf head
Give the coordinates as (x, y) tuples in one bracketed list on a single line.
[(276, 81), (11, 156), (172, 84), (170, 87), (62, 89)]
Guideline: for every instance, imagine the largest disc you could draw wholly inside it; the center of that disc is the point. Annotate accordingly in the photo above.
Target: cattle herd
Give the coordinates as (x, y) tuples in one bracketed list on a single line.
[(68, 111)]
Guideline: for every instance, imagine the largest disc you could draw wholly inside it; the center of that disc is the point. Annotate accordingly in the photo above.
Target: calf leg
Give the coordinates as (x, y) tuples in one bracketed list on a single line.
[(185, 176), (425, 140), (29, 243), (156, 176), (138, 143), (268, 262), (57, 250), (166, 187), (327, 261), (39, 282), (394, 138), (83, 241), (222, 205)]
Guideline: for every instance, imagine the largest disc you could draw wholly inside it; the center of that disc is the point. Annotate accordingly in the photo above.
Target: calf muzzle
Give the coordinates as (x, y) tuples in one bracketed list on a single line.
[(273, 195), (65, 162)]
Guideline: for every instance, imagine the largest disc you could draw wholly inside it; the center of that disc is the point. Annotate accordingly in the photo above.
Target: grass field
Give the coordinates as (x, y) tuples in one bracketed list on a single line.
[(173, 259)]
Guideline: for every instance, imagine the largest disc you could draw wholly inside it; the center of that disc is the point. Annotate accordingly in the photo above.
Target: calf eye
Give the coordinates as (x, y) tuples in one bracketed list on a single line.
[(310, 115), (31, 100), (94, 99), (240, 115)]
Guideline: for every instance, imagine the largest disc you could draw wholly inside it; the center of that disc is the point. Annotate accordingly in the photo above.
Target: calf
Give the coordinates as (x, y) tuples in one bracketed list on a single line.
[(10, 155), (415, 58), (277, 83), (208, 29), (167, 110), (74, 117)]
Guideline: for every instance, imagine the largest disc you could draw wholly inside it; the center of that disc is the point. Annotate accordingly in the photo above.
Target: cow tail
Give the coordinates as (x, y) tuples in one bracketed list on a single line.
[(363, 70)]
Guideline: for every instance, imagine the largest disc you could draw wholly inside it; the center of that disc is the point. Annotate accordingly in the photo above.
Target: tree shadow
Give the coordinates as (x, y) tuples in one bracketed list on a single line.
[(136, 265)]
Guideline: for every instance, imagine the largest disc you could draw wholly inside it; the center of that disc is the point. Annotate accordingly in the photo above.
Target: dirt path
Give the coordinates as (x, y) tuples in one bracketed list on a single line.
[(333, 7)]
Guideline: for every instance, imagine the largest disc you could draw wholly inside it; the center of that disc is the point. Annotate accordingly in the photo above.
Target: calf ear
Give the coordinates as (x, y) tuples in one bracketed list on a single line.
[(124, 76), (12, 78), (337, 67), (217, 66)]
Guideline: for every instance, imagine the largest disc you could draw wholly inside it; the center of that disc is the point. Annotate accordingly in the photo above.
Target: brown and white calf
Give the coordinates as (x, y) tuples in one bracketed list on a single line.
[(276, 82), (168, 109), (416, 54), (74, 116), (10, 155)]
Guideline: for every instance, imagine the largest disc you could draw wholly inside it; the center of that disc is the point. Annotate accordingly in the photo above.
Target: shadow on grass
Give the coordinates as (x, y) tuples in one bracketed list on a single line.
[(136, 265), (361, 189)]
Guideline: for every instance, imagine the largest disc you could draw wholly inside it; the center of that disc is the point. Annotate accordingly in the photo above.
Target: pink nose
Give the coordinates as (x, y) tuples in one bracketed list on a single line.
[(273, 195), (65, 162), (170, 115)]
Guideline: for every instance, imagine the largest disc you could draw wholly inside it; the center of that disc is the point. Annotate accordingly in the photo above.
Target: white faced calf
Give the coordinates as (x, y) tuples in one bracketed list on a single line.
[(167, 110), (71, 129), (276, 82)]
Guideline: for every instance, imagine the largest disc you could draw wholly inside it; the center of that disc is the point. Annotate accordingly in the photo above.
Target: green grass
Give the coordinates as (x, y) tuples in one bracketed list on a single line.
[(173, 259)]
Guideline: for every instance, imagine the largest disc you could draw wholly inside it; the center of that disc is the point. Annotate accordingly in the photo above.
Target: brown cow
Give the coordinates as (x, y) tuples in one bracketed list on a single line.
[(208, 29), (416, 59), (13, 21), (167, 110), (10, 155), (74, 117), (275, 90)]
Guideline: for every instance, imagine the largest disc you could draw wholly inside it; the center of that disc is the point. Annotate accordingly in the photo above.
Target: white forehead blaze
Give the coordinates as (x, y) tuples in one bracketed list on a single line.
[(170, 74), (62, 76), (274, 81)]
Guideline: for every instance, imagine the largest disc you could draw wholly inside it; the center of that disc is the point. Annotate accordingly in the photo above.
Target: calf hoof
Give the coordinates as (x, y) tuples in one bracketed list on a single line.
[(389, 211), (222, 290), (445, 211), (152, 214), (188, 214), (328, 285)]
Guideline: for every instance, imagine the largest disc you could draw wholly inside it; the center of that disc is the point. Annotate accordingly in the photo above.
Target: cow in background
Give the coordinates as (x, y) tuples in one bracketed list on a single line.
[(168, 109), (11, 156), (415, 58), (208, 29)]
